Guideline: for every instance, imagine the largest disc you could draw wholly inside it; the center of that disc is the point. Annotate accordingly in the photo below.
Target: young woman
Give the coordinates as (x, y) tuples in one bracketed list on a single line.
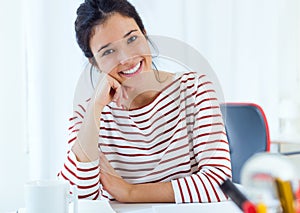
[(143, 135)]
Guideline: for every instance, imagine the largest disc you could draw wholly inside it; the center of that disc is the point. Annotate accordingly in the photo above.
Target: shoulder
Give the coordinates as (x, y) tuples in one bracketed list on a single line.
[(191, 77)]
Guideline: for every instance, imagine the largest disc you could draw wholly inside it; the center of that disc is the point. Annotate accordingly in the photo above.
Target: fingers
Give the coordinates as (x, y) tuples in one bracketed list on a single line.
[(118, 92), (121, 93), (117, 96), (109, 89)]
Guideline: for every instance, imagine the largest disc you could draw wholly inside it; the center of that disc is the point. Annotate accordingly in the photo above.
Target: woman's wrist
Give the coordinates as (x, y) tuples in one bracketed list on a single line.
[(132, 191), (86, 145), (84, 155), (151, 192), (137, 193)]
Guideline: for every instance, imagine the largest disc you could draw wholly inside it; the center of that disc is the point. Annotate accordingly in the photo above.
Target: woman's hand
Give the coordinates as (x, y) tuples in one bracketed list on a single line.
[(116, 186), (108, 90), (112, 182)]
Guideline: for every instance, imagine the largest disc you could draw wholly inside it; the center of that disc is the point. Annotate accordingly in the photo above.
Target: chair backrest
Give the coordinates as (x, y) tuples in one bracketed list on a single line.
[(247, 131)]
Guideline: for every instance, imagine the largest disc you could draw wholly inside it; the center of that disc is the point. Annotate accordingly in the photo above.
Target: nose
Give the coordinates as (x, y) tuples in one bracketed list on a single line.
[(126, 61), (125, 56)]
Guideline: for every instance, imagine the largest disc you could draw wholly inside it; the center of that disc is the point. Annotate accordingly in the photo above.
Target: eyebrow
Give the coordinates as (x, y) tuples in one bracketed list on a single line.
[(107, 45)]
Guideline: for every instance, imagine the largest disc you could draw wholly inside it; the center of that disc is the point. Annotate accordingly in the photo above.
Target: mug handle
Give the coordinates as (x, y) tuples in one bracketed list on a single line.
[(73, 198)]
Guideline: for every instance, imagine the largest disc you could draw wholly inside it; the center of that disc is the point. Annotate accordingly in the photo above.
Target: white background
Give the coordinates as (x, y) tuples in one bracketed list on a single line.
[(252, 45)]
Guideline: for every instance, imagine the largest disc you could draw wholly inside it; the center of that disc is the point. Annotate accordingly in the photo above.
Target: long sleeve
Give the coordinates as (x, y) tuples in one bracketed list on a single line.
[(84, 175), (210, 148)]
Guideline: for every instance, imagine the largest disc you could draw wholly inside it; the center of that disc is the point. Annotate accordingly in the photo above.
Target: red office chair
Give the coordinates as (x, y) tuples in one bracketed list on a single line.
[(247, 131)]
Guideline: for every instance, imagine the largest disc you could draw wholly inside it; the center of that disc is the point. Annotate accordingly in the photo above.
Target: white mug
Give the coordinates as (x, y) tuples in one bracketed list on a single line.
[(49, 196)]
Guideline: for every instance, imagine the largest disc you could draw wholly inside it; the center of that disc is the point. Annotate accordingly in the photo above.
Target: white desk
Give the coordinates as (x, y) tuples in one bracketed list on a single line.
[(224, 207)]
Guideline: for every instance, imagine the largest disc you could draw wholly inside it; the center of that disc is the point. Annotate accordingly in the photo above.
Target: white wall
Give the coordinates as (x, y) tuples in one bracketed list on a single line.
[(36, 93), (252, 45), (54, 64), (13, 156)]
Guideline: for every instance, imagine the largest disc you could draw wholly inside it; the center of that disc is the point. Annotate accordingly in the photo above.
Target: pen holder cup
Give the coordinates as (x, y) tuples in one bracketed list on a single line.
[(258, 178)]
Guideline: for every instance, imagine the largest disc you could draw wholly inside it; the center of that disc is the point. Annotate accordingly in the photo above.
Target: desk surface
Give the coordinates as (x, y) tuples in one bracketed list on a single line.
[(224, 207)]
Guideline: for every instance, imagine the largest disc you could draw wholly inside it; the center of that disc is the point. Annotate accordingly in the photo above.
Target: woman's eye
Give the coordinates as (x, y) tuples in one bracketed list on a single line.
[(131, 39), (107, 52)]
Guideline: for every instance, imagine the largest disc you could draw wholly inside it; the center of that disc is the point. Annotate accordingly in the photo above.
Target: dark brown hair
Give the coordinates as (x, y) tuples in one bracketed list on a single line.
[(94, 12)]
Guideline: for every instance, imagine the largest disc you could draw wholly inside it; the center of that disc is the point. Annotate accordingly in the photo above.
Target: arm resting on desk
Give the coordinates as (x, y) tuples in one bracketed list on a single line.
[(164, 191), (137, 193)]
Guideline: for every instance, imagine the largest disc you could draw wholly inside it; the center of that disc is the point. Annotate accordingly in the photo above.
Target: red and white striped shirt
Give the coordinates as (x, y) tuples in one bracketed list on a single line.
[(179, 137)]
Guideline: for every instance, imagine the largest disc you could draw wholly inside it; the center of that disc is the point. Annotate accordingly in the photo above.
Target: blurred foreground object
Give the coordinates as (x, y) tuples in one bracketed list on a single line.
[(259, 174)]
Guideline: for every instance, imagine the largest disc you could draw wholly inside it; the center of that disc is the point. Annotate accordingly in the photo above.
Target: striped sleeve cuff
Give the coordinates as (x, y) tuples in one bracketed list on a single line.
[(178, 192), (83, 165), (198, 188), (85, 175)]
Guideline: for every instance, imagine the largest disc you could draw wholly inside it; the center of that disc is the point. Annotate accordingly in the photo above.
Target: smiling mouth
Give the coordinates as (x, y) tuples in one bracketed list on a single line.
[(136, 69)]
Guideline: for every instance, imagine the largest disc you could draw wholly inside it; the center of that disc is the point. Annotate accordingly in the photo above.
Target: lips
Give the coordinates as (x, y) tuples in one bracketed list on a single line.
[(133, 71)]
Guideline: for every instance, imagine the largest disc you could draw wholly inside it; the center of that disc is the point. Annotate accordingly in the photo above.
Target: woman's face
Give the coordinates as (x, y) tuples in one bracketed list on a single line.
[(120, 48)]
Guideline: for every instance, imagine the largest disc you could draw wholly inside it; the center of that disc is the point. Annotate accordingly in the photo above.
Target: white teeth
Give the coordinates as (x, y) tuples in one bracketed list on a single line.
[(133, 70)]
